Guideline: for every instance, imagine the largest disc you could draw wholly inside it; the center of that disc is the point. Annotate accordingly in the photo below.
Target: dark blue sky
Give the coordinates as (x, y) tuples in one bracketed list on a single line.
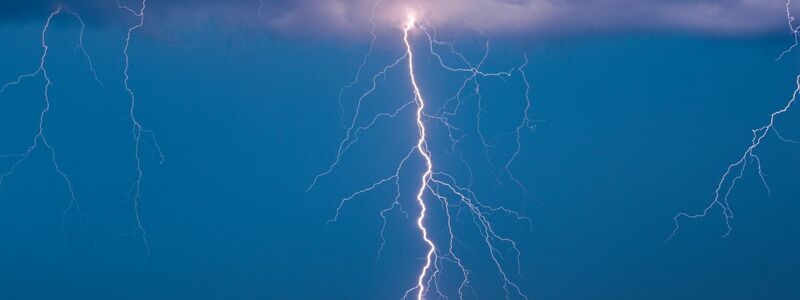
[(637, 128)]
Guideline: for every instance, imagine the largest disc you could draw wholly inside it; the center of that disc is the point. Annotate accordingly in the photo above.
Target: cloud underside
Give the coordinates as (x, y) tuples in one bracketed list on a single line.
[(518, 17)]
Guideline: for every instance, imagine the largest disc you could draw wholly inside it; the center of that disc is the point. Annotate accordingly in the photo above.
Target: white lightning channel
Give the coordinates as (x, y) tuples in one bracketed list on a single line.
[(438, 186), (422, 148)]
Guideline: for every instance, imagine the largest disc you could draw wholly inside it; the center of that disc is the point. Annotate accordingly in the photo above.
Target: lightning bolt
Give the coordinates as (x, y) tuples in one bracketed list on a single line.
[(736, 170), (40, 138), (138, 131), (436, 186), (422, 148)]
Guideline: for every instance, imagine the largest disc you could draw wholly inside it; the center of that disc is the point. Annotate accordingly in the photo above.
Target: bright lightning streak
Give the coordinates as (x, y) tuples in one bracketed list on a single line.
[(422, 147), (436, 185), (735, 171), (40, 139), (137, 130)]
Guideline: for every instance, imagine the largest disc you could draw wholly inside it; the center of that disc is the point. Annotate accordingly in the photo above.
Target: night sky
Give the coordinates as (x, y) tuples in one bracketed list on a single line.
[(633, 123)]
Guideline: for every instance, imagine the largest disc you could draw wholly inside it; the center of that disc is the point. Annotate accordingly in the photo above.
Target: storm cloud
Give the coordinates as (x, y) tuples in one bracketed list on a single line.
[(516, 17)]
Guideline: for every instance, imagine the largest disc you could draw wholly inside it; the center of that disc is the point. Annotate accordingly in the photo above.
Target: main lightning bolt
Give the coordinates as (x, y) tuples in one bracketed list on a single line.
[(435, 185), (422, 148), (735, 171)]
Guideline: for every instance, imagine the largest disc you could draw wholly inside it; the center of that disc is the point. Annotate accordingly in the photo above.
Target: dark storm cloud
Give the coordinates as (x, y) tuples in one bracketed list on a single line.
[(730, 17)]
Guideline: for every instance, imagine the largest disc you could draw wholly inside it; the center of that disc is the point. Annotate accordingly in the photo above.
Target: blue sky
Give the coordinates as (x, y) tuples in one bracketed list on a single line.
[(635, 126)]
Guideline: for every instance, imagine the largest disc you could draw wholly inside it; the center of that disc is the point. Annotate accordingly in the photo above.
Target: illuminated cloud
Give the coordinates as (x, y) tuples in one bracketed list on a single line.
[(729, 17), (516, 17)]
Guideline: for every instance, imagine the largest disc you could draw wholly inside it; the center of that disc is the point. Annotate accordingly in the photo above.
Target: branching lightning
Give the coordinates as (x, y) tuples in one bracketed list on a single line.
[(40, 139), (137, 129), (735, 171), (434, 185)]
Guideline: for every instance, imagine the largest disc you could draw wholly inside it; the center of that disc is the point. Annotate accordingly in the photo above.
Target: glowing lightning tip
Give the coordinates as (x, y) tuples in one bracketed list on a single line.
[(410, 21)]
